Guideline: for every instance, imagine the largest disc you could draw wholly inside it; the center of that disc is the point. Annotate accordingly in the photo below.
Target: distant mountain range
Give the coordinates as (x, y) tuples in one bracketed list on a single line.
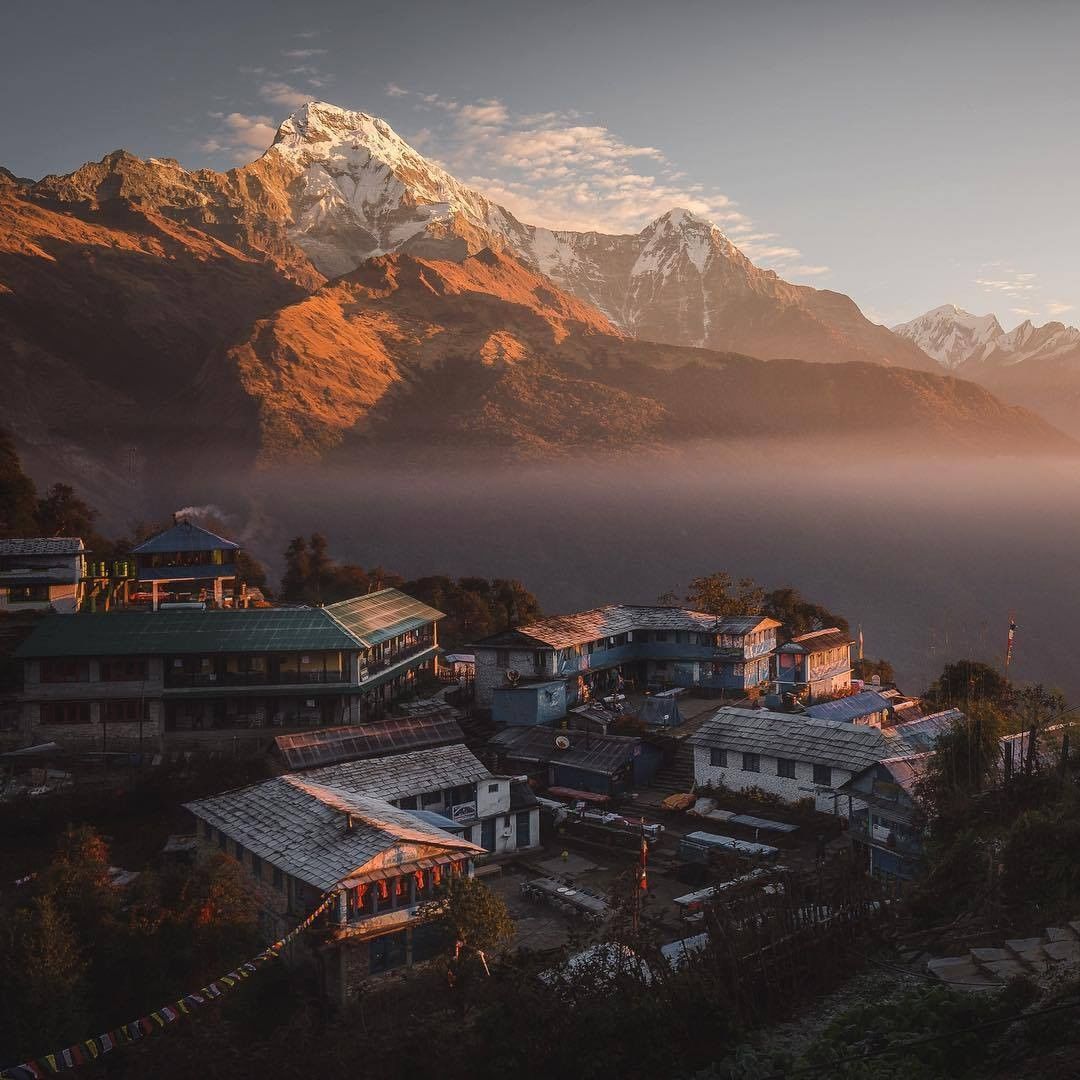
[(1036, 366), (343, 291)]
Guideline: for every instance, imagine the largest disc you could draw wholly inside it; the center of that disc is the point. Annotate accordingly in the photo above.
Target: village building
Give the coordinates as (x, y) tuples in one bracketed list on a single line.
[(884, 832), (814, 667), (867, 707), (299, 841), (392, 735), (590, 652), (146, 680), (497, 813), (42, 574), (188, 564), (577, 764), (787, 754)]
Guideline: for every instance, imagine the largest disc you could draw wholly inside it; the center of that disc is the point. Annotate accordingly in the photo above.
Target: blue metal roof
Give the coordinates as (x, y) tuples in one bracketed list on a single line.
[(183, 536), (849, 709)]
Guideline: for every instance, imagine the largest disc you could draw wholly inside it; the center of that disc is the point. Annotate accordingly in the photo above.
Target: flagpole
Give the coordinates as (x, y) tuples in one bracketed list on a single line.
[(1009, 645)]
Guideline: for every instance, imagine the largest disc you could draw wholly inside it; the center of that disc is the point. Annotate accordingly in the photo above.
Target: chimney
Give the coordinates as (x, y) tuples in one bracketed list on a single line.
[(350, 824)]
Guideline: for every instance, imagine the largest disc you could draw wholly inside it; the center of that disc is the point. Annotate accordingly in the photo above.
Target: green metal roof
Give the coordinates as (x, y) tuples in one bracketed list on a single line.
[(381, 615), (124, 633)]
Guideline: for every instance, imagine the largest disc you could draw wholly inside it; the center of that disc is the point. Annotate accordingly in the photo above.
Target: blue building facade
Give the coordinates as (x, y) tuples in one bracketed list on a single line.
[(594, 652)]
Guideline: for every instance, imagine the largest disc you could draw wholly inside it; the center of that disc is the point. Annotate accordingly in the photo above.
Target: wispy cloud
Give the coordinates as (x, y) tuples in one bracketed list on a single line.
[(238, 135), (302, 54), (559, 170), (1058, 307), (308, 34), (281, 93)]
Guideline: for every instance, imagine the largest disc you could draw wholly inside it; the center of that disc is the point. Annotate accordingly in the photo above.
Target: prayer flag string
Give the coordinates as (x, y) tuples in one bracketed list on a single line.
[(87, 1051)]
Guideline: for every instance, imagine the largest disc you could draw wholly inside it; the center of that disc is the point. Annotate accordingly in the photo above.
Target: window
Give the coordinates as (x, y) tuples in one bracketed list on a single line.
[(823, 775), (502, 658), (65, 671), (123, 670), (718, 758), (124, 712), (408, 803), (538, 661), (27, 594), (751, 762), (256, 867), (463, 793), (431, 798), (279, 880), (387, 952), (785, 767), (660, 635), (524, 829), (493, 789), (65, 712)]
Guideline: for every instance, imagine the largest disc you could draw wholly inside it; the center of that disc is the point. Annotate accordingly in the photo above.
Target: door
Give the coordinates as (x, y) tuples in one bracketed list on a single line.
[(487, 834), (524, 836)]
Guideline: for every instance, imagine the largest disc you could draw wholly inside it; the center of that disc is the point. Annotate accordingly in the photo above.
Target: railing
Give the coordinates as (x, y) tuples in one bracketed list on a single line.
[(388, 661), (882, 837), (187, 680)]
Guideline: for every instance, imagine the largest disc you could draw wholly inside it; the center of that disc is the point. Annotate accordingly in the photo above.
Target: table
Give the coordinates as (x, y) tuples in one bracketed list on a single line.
[(572, 897)]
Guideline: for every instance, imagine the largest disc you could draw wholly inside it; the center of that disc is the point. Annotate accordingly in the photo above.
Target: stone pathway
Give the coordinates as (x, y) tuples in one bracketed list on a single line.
[(1037, 958)]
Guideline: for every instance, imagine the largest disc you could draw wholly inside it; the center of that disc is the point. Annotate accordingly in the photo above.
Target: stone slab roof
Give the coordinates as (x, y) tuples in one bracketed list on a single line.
[(301, 828), (789, 735), (399, 776)]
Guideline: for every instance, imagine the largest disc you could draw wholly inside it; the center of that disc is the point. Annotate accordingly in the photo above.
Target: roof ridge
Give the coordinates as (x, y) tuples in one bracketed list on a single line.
[(362, 642)]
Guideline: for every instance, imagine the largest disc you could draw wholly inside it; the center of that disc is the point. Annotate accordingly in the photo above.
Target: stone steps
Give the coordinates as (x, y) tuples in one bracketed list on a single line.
[(990, 968)]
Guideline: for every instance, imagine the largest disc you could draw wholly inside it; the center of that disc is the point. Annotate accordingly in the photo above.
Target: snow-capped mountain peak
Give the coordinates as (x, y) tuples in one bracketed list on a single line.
[(951, 335)]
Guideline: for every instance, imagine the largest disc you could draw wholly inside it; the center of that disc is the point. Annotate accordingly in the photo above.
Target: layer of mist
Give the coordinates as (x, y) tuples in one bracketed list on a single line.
[(929, 556)]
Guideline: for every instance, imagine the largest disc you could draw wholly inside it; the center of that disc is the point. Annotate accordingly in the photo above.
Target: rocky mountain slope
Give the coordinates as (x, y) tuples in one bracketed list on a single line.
[(338, 187), (484, 352), (155, 319), (1036, 366)]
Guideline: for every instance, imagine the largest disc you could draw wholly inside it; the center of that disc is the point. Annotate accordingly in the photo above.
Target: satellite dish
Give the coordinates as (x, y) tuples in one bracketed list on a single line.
[(562, 742)]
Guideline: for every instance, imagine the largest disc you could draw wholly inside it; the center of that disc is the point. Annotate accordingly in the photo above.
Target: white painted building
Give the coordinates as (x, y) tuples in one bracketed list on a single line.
[(42, 574), (787, 754), (497, 813)]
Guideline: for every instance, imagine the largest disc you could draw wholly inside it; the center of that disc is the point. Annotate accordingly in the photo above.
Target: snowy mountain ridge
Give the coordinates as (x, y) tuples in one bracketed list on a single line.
[(956, 338)]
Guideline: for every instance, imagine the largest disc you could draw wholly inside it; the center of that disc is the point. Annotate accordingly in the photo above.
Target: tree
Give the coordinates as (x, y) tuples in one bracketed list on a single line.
[(297, 570), (967, 682), (472, 915), (18, 496), (720, 595), (42, 981), (78, 881), (866, 669), (965, 761), (798, 615), (62, 513)]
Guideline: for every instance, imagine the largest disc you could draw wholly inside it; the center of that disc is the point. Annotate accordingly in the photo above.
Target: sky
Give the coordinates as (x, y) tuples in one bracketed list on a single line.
[(907, 153)]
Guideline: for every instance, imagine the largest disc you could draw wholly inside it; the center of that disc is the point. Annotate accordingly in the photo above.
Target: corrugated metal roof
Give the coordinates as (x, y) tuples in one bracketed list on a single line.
[(588, 751), (43, 545), (381, 615), (184, 536), (849, 709), (327, 746), (400, 776), (923, 732), (818, 641), (787, 735), (563, 631), (300, 827), (141, 633)]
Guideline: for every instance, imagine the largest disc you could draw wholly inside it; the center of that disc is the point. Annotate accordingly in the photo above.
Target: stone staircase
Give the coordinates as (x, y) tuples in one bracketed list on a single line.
[(679, 775), (1033, 957)]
